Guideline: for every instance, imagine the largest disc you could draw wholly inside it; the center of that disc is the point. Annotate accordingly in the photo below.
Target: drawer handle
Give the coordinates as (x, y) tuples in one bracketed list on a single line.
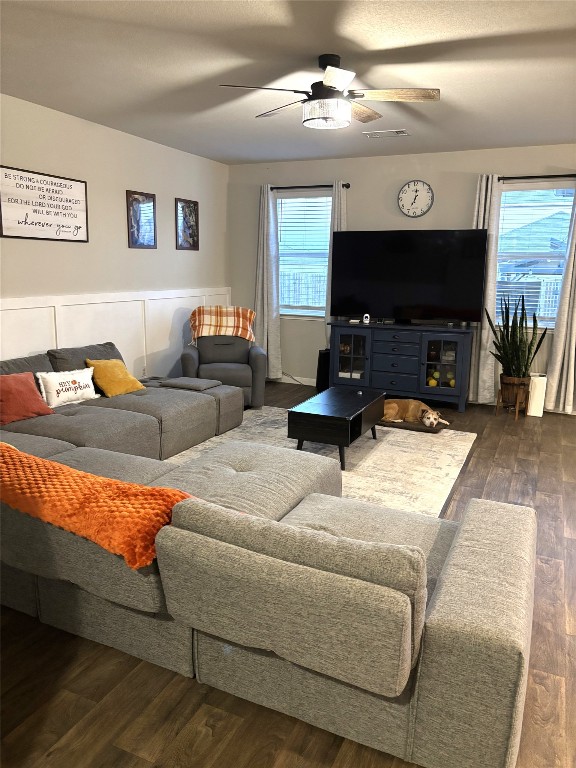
[(394, 349), (393, 381), (394, 365), (395, 336)]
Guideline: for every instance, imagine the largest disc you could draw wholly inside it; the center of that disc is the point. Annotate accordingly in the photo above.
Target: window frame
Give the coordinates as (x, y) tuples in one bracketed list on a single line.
[(299, 193), (519, 185)]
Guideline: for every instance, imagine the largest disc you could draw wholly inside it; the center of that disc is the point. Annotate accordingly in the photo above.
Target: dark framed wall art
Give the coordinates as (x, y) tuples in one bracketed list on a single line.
[(40, 206), (141, 212), (187, 233)]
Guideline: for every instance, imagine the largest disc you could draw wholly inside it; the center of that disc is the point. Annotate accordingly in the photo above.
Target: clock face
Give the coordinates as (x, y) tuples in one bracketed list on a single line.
[(415, 198)]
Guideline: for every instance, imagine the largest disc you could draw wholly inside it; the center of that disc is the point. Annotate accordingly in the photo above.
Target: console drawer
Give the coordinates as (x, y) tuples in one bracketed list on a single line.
[(410, 337), (395, 348), (395, 363), (392, 382)]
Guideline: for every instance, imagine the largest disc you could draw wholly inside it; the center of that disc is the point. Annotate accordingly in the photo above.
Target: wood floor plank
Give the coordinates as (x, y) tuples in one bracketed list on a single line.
[(548, 649), (523, 484), (308, 747), (543, 742), (570, 585), (43, 728), (97, 673), (153, 732), (570, 718), (202, 741), (83, 745), (550, 522), (507, 451), (262, 735), (353, 755), (498, 484), (549, 473), (569, 464), (569, 508)]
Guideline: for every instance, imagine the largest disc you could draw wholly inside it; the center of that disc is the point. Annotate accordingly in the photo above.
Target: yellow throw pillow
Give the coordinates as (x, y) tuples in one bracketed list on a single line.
[(113, 377)]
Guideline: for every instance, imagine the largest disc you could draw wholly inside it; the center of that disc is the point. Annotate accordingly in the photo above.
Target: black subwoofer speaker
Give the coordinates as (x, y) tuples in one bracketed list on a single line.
[(323, 370)]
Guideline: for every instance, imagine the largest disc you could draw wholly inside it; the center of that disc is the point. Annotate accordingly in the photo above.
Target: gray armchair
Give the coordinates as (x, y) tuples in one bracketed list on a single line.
[(231, 360)]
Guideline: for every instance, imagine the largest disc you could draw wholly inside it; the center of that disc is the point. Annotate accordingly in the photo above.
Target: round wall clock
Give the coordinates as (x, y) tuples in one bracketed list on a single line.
[(415, 198)]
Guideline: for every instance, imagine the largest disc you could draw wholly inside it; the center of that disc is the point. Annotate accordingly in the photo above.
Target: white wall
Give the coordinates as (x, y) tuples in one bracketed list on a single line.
[(372, 204), (38, 139)]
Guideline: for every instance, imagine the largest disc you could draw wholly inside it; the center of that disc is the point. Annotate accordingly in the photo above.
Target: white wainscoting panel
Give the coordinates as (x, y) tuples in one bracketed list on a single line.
[(119, 321), (27, 331), (150, 328)]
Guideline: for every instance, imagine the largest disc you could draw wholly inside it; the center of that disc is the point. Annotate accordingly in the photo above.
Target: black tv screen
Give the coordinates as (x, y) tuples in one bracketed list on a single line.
[(409, 275)]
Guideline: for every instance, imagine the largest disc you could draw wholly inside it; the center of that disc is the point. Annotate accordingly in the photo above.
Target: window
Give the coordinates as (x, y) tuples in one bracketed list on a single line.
[(534, 231), (304, 242)]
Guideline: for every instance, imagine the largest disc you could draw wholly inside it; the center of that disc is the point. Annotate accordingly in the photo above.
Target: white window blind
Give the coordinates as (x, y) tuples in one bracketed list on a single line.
[(304, 244), (535, 220)]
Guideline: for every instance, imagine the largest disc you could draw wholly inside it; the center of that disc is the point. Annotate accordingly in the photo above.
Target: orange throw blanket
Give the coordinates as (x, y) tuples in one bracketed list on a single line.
[(123, 518)]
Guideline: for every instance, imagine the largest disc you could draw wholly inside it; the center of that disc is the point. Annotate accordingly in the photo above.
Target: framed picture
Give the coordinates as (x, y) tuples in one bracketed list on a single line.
[(186, 225), (40, 206), (141, 210)]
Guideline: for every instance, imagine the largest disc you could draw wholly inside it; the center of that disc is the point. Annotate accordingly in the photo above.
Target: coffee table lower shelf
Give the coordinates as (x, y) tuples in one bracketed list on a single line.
[(337, 416)]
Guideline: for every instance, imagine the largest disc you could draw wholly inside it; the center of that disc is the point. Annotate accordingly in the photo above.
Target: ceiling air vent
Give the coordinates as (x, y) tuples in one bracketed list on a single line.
[(386, 134)]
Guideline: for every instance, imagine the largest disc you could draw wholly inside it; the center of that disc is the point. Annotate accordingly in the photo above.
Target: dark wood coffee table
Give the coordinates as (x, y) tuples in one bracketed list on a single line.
[(337, 416)]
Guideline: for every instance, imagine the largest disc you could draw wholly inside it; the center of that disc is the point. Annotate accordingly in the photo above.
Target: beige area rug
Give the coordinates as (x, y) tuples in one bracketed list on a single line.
[(404, 470)]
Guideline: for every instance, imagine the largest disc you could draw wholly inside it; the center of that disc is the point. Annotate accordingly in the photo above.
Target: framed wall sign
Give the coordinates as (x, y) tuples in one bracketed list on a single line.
[(40, 206), (141, 211), (186, 225)]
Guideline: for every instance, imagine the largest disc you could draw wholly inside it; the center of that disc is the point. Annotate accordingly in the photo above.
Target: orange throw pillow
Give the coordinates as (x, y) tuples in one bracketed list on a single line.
[(123, 518), (20, 399)]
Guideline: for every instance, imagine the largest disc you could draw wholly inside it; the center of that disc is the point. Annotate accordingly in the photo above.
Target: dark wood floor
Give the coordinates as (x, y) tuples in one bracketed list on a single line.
[(71, 703)]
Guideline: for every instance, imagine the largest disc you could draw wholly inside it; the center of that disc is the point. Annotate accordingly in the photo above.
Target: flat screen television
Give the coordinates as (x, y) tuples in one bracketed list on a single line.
[(409, 275)]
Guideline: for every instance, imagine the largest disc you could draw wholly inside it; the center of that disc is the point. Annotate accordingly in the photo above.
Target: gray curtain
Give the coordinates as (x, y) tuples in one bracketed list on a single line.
[(561, 369), (266, 305), (337, 224), (482, 388)]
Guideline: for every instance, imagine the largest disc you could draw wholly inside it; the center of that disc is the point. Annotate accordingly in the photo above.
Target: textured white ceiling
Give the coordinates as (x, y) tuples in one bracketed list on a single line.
[(151, 68)]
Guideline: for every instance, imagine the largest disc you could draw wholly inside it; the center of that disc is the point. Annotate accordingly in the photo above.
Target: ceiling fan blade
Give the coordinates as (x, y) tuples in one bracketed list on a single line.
[(397, 94), (338, 78), (279, 109), (263, 88), (363, 113)]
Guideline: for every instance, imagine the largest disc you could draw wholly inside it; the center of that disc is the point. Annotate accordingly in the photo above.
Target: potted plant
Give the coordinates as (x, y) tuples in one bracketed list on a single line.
[(516, 347)]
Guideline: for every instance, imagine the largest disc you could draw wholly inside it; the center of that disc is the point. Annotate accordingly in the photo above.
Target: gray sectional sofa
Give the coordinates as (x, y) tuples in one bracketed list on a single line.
[(156, 422), (407, 633)]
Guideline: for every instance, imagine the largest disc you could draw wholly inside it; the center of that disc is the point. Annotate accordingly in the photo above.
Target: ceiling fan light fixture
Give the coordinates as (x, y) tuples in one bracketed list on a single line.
[(326, 113)]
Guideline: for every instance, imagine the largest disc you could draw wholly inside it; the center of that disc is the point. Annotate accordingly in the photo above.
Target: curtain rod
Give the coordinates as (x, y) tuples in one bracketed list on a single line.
[(543, 176), (346, 185)]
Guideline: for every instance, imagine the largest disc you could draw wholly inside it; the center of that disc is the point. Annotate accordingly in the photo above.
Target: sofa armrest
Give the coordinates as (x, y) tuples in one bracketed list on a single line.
[(476, 643), (258, 361), (190, 360)]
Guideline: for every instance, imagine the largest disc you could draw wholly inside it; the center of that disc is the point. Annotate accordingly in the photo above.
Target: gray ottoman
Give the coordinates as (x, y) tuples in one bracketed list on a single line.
[(229, 400)]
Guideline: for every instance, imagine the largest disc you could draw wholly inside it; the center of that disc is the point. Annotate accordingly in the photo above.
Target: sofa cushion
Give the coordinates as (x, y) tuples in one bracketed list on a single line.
[(372, 522), (71, 358), (223, 349), (340, 607), (31, 363), (35, 444), (114, 429), (61, 387), (121, 517), (184, 418), (36, 547), (113, 378), (262, 480), (120, 466), (20, 399)]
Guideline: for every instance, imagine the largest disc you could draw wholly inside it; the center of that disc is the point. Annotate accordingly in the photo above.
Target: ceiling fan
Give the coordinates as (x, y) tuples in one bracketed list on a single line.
[(330, 104)]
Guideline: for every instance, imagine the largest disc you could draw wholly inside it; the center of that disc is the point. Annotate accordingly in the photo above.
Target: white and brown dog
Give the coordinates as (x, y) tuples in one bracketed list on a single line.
[(412, 411)]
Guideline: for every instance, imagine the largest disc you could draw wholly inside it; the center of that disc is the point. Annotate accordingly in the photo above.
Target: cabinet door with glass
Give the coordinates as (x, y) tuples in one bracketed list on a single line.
[(445, 366), (350, 357)]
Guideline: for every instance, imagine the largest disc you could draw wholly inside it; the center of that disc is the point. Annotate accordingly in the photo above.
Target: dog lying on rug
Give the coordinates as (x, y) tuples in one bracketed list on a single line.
[(412, 411)]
